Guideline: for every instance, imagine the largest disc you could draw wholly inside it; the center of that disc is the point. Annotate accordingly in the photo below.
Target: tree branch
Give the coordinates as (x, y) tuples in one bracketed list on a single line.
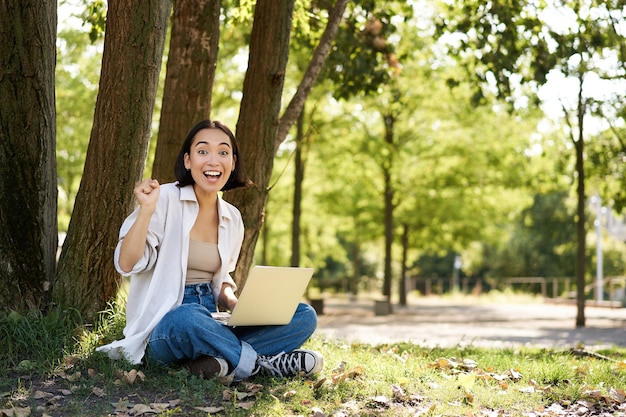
[(320, 54)]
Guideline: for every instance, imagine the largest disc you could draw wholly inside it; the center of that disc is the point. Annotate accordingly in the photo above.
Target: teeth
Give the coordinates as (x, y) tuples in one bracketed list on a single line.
[(212, 173)]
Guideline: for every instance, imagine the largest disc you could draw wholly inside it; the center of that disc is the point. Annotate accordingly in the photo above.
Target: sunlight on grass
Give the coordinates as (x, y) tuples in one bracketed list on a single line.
[(55, 353)]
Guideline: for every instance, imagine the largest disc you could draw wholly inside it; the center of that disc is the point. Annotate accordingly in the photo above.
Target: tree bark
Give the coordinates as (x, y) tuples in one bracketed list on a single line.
[(389, 207), (356, 266), (581, 264), (28, 178), (189, 81), (133, 50), (297, 194), (405, 255)]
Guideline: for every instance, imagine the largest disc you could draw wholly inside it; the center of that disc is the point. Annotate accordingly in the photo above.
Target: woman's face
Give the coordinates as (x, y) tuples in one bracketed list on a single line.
[(211, 160)]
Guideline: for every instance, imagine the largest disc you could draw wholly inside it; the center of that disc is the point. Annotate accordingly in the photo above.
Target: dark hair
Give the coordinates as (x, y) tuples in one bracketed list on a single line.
[(238, 177)]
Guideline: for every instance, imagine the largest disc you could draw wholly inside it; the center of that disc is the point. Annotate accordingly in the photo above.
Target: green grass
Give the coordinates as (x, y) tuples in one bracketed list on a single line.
[(48, 366)]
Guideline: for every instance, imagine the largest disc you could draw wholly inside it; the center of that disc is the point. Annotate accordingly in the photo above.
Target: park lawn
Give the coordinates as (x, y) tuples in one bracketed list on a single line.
[(48, 367)]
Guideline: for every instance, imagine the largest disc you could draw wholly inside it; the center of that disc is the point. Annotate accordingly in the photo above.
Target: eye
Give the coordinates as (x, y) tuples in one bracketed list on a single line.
[(202, 152), (224, 153)]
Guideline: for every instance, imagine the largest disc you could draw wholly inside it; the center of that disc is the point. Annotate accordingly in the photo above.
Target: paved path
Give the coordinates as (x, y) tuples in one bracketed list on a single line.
[(440, 322)]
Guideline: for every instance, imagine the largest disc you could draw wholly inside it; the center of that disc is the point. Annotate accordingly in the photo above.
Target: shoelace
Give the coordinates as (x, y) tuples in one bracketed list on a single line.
[(281, 364)]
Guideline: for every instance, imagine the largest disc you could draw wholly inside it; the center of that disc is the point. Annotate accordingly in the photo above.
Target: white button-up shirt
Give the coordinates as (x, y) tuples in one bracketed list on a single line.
[(158, 279)]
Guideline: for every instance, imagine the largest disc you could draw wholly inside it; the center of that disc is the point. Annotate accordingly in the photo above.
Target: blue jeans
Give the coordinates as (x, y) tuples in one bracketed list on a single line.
[(188, 332)]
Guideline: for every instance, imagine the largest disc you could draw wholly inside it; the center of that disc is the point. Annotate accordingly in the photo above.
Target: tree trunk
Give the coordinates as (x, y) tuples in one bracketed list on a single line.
[(388, 196), (258, 118), (297, 194), (405, 251), (28, 178), (133, 49), (356, 266), (189, 81), (580, 225)]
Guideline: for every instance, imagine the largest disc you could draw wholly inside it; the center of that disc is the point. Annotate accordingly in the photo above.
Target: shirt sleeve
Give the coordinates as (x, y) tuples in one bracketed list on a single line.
[(153, 239)]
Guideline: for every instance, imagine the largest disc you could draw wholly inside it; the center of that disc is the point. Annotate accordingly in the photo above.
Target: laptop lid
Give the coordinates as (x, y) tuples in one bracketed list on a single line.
[(270, 296)]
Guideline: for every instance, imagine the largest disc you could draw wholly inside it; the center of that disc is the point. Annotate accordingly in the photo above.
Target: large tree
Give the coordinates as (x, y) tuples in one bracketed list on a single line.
[(28, 179), (133, 49)]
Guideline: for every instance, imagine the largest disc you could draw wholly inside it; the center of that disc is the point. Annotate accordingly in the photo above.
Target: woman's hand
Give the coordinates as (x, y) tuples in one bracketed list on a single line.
[(134, 243), (147, 193)]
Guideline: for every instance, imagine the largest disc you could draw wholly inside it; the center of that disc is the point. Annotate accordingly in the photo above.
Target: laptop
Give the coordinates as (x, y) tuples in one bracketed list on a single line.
[(269, 297)]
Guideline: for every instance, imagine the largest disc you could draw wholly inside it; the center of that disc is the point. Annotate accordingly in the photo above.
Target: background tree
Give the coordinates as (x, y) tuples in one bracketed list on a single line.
[(191, 63), (520, 43), (365, 60), (28, 179), (134, 41)]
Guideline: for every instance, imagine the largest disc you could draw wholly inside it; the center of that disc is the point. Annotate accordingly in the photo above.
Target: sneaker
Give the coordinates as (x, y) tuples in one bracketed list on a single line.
[(207, 367), (296, 363)]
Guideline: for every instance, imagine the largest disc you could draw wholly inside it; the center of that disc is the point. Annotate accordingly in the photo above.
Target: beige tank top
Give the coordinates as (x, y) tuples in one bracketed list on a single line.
[(204, 261)]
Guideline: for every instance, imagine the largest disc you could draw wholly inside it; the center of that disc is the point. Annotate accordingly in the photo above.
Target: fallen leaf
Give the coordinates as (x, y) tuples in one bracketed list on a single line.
[(353, 373), (469, 364), (317, 412), (466, 380), (469, 396), (210, 410), (251, 387), (242, 395), (140, 409), (40, 395), (130, 376), (227, 395), (514, 375), (16, 412), (72, 377), (398, 392), (381, 399), (159, 407), (618, 395), (246, 405), (341, 367), (318, 383), (122, 406), (290, 393), (98, 392)]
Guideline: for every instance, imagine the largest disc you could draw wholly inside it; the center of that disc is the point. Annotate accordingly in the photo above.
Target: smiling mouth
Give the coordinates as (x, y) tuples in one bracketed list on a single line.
[(212, 174)]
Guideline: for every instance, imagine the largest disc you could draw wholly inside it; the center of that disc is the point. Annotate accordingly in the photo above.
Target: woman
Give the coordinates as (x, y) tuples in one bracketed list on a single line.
[(179, 247)]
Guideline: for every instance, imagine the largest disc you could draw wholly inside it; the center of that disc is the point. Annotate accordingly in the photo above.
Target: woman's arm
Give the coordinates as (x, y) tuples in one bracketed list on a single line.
[(134, 243)]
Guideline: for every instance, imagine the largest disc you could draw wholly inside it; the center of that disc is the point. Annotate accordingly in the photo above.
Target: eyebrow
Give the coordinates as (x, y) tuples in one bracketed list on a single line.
[(207, 143)]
